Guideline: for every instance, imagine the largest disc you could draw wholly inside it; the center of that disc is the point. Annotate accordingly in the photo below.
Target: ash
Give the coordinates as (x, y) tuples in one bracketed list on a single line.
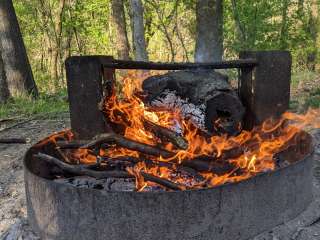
[(170, 100)]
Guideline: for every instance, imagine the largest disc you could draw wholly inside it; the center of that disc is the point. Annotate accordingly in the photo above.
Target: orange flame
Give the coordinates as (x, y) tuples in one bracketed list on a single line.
[(257, 147)]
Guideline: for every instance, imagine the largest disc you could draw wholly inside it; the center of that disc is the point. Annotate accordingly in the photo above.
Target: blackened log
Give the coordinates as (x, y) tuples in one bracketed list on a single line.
[(176, 167), (162, 181), (121, 141), (201, 87), (166, 134), (219, 168), (15, 140), (81, 170)]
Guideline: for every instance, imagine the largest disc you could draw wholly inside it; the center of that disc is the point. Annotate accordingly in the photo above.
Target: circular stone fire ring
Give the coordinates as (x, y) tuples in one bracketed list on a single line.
[(231, 211)]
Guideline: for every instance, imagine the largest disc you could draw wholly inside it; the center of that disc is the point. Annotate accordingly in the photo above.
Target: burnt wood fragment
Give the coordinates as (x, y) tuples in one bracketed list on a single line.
[(121, 141), (216, 167), (14, 140), (81, 170), (166, 134), (162, 181)]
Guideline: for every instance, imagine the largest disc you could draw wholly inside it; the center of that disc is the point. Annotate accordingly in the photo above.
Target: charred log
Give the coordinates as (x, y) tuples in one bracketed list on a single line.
[(166, 135), (216, 167), (81, 170), (201, 87), (162, 181), (14, 140), (121, 141)]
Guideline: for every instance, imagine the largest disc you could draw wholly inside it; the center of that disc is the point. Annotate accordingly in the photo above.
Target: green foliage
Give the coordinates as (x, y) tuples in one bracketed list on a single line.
[(47, 106), (170, 28), (313, 100)]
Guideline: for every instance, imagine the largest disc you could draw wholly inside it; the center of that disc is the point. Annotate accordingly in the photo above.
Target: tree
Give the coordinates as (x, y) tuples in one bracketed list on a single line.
[(4, 91), (16, 64), (209, 40), (284, 25), (138, 38), (313, 30), (119, 20)]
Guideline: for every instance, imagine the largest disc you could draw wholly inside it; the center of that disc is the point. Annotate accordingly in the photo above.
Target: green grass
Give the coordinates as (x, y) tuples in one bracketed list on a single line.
[(314, 99), (302, 76), (46, 106)]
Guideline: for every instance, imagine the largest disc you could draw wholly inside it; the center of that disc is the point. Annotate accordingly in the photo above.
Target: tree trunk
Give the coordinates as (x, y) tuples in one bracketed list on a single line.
[(119, 20), (313, 28), (209, 42), (17, 67), (241, 34), (4, 91), (139, 43), (284, 25)]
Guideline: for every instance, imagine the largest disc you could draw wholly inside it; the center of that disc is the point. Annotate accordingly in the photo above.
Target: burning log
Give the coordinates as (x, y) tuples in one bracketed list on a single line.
[(121, 162), (208, 92), (217, 167), (81, 170), (121, 141), (162, 181), (166, 134)]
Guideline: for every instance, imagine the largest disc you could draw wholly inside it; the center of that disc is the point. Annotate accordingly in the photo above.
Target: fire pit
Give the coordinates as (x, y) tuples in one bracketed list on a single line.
[(132, 169)]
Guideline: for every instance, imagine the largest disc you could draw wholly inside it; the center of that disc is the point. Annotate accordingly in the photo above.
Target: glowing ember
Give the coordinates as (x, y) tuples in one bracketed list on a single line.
[(246, 155)]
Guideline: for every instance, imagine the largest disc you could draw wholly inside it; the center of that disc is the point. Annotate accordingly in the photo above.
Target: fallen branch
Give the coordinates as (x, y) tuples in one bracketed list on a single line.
[(161, 181), (15, 140), (166, 134), (81, 170), (129, 144)]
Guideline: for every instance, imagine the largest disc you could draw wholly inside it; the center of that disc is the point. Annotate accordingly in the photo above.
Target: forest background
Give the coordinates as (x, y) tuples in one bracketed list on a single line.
[(53, 30)]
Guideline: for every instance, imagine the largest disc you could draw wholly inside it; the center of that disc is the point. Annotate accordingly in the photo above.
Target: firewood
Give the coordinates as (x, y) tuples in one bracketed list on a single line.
[(166, 134), (216, 167), (81, 170), (162, 181), (121, 162), (223, 110), (177, 167), (15, 140), (121, 141)]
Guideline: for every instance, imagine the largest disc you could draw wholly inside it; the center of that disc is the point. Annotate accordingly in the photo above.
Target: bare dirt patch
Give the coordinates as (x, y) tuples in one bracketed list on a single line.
[(12, 195)]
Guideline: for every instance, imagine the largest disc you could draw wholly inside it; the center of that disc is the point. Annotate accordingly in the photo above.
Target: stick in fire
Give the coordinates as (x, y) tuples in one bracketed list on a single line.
[(166, 134), (81, 170), (121, 141)]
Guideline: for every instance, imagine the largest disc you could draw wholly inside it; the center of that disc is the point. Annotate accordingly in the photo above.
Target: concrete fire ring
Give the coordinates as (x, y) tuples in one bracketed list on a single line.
[(228, 212)]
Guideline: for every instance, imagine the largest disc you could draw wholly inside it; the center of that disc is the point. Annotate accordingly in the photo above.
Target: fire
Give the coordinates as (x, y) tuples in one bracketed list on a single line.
[(249, 153)]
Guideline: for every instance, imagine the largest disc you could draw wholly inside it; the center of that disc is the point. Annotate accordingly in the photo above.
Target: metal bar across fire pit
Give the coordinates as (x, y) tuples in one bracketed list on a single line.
[(122, 64)]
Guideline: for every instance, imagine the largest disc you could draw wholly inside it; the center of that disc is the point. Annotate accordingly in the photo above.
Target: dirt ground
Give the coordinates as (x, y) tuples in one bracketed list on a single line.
[(13, 224), (12, 195)]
